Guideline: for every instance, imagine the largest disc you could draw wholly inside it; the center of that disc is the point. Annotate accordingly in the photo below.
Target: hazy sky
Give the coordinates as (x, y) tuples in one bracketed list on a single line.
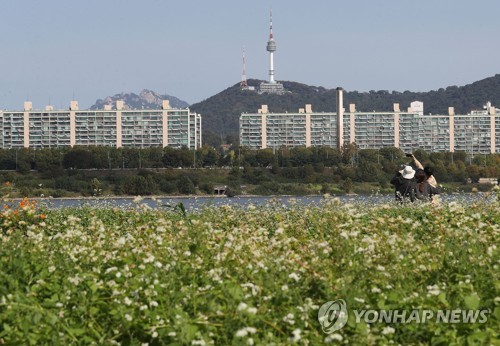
[(58, 50)]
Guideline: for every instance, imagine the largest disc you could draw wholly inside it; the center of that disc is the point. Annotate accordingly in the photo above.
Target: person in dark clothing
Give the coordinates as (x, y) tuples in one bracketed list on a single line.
[(429, 171), (423, 189), (404, 184)]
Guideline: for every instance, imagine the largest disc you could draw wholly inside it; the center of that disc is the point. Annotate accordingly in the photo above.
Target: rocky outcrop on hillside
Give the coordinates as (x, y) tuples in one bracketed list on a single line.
[(147, 99)]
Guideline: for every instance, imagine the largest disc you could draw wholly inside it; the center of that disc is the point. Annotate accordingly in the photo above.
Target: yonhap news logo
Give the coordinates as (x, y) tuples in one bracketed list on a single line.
[(333, 315)]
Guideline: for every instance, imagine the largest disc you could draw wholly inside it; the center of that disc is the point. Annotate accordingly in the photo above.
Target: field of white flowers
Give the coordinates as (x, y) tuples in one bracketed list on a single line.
[(245, 276)]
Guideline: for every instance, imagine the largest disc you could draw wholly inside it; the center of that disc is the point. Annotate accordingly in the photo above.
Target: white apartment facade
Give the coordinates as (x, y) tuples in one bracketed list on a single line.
[(475, 133), (119, 127)]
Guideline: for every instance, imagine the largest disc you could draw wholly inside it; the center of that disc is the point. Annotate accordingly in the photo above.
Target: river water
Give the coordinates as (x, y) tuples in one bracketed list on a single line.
[(193, 203)]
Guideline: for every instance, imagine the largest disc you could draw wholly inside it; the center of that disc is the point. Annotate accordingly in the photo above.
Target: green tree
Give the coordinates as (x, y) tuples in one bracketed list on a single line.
[(78, 158), (185, 185), (347, 185), (264, 157), (96, 187)]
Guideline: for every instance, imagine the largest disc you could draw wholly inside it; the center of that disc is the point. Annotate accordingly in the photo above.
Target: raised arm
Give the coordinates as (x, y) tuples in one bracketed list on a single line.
[(416, 162)]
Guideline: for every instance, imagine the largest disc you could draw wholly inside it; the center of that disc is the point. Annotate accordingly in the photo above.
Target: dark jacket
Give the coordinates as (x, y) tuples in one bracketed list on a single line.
[(425, 191), (405, 188)]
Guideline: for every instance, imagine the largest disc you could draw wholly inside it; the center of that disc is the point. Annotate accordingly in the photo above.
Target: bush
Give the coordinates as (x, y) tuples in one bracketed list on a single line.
[(168, 187), (185, 185), (208, 188)]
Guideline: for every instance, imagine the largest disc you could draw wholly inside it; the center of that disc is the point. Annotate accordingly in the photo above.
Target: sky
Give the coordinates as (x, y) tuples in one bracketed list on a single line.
[(54, 51)]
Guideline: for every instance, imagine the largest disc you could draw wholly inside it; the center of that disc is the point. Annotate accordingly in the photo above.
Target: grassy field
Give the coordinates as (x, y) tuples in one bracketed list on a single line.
[(229, 276)]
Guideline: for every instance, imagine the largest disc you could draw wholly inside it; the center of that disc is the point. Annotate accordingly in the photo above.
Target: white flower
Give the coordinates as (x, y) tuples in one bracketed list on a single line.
[(333, 337), (359, 300), (252, 310), (290, 319), (155, 334), (198, 342), (52, 269), (245, 331), (242, 306), (433, 290), (294, 276), (388, 330), (110, 269), (153, 303), (241, 333), (59, 305), (150, 259), (250, 342), (128, 317), (284, 288), (376, 290), (127, 301), (296, 335), (75, 281)]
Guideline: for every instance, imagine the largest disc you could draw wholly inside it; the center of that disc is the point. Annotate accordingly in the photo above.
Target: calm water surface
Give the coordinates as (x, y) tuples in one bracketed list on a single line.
[(192, 203)]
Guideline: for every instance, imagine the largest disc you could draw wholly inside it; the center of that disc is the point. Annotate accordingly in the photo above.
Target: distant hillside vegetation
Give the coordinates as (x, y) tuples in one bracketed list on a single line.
[(220, 113), (147, 99)]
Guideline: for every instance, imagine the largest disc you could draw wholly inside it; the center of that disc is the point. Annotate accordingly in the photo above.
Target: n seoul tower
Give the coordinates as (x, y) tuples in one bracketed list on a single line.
[(271, 48), (271, 87)]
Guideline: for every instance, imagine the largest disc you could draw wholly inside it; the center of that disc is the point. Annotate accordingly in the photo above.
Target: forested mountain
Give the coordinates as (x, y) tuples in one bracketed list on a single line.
[(221, 112)]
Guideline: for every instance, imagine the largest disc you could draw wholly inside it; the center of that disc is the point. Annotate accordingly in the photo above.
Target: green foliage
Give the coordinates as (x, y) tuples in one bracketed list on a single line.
[(208, 188), (160, 169), (347, 185), (139, 185), (221, 112), (227, 275), (185, 185)]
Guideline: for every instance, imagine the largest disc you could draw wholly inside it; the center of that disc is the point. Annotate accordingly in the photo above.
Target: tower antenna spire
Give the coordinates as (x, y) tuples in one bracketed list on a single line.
[(243, 83), (271, 24)]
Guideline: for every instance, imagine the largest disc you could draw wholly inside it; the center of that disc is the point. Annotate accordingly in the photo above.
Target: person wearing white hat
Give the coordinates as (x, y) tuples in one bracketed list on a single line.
[(404, 183)]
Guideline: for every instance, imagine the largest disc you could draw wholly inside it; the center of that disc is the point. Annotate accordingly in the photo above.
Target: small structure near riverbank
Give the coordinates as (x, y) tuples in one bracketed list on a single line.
[(220, 190)]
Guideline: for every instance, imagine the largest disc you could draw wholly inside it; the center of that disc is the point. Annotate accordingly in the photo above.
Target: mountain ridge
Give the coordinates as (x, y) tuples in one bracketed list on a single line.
[(220, 113), (147, 99)]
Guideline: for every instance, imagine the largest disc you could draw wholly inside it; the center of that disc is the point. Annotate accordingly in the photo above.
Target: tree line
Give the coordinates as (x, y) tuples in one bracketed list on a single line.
[(357, 164)]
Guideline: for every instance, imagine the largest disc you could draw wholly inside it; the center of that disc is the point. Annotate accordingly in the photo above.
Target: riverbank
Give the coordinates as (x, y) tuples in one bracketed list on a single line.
[(200, 183)]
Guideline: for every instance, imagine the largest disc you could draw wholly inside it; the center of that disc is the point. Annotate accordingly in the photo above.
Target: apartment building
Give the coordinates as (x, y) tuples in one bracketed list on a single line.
[(117, 127), (475, 133)]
